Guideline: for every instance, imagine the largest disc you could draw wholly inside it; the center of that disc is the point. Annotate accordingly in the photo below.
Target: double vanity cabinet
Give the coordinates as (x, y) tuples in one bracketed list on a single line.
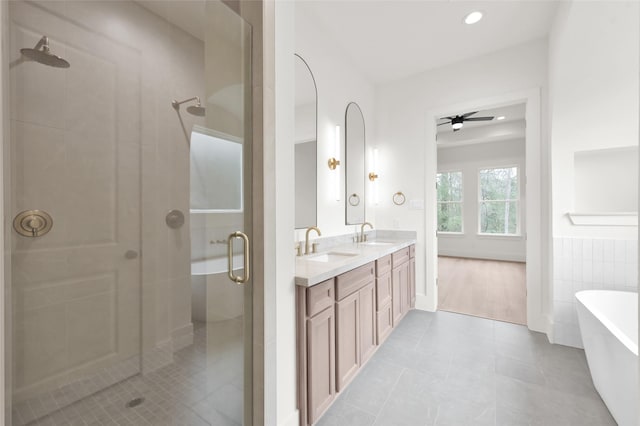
[(343, 318)]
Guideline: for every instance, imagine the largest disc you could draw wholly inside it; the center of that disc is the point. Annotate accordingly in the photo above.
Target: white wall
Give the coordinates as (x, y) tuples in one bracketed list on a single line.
[(606, 180), (594, 81), (401, 109), (593, 102), (279, 211), (469, 160), (338, 84)]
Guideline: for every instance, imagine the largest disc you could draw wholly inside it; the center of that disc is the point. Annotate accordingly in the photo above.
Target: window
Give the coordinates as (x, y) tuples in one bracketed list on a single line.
[(499, 201), (449, 188)]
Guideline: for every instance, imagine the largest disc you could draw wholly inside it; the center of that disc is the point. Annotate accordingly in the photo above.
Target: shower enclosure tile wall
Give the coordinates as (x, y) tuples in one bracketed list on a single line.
[(107, 158), (586, 264)]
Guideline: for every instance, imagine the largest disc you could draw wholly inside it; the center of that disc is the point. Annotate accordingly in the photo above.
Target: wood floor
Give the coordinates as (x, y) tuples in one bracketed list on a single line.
[(483, 288)]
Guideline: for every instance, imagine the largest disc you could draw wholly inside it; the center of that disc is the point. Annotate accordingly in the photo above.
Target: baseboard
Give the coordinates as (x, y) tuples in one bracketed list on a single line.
[(507, 257), (182, 337), (550, 330), (425, 303), (292, 420)]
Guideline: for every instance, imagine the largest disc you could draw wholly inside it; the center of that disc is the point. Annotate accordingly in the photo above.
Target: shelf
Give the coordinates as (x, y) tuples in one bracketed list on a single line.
[(604, 219)]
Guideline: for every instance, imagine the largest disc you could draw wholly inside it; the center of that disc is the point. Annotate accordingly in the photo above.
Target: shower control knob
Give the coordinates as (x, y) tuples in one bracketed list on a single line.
[(32, 223), (131, 254), (174, 219)]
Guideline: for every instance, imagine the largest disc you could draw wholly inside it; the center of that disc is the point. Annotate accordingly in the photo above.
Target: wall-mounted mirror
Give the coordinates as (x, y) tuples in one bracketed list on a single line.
[(306, 106), (354, 144)]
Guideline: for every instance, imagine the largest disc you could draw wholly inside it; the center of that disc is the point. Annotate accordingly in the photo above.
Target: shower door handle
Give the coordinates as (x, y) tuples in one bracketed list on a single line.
[(233, 277)]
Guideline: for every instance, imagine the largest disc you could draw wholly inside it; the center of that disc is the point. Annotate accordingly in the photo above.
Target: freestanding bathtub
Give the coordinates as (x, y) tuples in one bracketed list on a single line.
[(214, 297), (609, 328)]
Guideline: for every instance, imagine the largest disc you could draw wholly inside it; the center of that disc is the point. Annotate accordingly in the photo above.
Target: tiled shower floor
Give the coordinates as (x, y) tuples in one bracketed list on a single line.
[(450, 369), (202, 387)]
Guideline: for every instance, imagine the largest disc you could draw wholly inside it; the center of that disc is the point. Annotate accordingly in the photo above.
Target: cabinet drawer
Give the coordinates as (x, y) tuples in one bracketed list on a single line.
[(320, 297), (354, 280), (383, 290), (383, 265), (412, 251), (399, 257), (384, 323)]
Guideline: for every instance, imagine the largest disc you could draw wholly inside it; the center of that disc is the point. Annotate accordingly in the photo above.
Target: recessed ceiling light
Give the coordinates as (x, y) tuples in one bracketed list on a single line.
[(502, 117), (473, 17)]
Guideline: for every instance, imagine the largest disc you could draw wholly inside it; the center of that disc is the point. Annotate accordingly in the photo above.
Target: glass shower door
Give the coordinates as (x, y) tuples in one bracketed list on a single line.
[(130, 140), (75, 204)]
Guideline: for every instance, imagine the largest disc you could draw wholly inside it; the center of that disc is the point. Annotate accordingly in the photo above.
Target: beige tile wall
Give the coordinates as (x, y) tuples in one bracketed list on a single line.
[(106, 95)]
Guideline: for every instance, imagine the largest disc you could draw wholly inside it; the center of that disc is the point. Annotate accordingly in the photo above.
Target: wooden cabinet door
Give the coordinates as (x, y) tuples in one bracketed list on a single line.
[(347, 339), (412, 282), (383, 287), (405, 288), (384, 323), (367, 322), (400, 286), (321, 363), (396, 296)]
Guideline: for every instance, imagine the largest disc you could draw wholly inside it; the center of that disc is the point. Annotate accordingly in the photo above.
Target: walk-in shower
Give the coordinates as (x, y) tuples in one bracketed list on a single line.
[(103, 328), (197, 109), (42, 53)]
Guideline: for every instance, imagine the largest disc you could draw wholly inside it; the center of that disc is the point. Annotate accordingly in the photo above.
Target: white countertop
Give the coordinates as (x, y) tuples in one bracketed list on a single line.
[(309, 272)]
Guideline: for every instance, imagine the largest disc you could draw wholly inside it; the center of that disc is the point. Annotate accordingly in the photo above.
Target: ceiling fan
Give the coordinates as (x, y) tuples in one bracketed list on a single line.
[(458, 120)]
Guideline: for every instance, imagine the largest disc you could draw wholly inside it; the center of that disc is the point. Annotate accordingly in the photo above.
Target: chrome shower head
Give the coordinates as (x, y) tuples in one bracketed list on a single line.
[(196, 109), (41, 54)]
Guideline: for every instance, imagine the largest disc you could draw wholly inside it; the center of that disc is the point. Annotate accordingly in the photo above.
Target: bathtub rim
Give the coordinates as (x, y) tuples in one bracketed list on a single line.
[(221, 260), (600, 316)]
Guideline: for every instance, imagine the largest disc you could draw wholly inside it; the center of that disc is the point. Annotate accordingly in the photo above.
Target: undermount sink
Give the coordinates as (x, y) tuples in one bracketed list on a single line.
[(331, 256), (378, 243)]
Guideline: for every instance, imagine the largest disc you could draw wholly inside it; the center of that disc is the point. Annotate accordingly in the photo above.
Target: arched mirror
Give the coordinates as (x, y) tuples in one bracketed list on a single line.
[(306, 106), (354, 164)]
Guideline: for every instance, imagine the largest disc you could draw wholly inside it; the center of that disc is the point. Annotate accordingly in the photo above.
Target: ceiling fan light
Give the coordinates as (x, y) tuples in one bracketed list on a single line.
[(473, 17), (456, 126)]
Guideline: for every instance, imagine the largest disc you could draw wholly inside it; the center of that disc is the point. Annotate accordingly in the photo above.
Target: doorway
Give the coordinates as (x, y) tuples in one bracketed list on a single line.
[(120, 238), (481, 211)]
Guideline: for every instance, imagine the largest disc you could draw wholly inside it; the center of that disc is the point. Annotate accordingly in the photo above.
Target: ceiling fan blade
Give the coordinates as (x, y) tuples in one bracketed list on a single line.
[(446, 118), (469, 114), (479, 119), (448, 122)]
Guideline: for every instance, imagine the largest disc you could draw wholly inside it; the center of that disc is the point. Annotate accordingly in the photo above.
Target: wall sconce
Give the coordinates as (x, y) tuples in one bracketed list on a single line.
[(333, 161), (374, 165), (373, 175)]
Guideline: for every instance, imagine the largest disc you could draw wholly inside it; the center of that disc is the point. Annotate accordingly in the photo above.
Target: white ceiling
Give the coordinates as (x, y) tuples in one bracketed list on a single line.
[(389, 40)]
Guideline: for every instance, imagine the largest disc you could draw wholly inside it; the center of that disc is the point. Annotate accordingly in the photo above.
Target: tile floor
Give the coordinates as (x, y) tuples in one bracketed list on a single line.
[(202, 387), (451, 369), (434, 369)]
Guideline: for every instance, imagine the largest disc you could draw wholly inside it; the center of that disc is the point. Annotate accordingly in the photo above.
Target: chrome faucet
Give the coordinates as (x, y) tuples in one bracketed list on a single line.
[(306, 238), (363, 237)]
